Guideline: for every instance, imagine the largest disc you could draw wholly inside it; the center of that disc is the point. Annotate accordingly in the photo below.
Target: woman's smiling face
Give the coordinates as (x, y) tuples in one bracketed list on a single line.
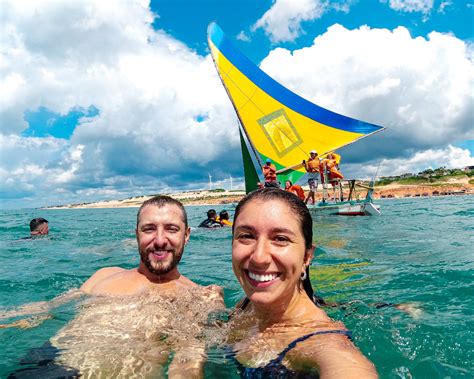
[(268, 252)]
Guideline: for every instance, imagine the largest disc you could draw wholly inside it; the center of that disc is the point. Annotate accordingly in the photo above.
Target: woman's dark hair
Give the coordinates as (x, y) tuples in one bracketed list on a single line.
[(299, 209)]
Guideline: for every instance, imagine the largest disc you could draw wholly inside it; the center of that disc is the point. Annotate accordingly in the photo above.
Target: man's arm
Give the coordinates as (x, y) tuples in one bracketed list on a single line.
[(188, 361), (41, 306), (189, 354), (46, 306)]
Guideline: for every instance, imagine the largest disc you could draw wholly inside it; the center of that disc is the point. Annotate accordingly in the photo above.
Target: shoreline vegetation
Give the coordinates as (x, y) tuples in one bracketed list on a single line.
[(438, 182)]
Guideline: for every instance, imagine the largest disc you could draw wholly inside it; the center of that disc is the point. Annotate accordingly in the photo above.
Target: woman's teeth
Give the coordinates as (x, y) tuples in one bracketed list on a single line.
[(262, 278)]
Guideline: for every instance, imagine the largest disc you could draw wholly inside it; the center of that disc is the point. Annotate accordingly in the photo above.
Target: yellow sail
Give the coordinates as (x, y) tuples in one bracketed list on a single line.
[(279, 124)]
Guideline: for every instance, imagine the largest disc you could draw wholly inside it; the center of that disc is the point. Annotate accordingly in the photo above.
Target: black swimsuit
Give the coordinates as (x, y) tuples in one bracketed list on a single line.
[(275, 368)]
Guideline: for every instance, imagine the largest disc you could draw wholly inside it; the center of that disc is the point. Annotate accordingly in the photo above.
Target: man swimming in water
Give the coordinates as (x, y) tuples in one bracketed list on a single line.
[(39, 227), (162, 232), (142, 315)]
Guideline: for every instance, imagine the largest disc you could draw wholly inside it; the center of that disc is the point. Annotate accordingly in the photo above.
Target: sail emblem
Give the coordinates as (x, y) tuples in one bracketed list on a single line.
[(280, 132)]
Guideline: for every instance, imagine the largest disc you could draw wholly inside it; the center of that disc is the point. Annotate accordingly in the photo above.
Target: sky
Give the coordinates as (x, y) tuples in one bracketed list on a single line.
[(106, 100)]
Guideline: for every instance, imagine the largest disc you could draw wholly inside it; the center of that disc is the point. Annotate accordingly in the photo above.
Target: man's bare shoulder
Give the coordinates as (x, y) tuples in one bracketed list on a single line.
[(113, 281)]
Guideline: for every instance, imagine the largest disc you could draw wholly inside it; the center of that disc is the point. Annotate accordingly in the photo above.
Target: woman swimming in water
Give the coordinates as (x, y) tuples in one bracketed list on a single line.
[(281, 332)]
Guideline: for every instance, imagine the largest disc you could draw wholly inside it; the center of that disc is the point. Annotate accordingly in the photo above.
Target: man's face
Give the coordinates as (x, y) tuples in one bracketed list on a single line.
[(161, 236)]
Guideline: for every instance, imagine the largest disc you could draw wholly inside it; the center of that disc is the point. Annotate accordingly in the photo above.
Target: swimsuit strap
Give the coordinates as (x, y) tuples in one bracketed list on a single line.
[(279, 359)]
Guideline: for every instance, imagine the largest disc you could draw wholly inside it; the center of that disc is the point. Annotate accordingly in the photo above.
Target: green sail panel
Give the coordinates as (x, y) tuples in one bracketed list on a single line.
[(251, 176)]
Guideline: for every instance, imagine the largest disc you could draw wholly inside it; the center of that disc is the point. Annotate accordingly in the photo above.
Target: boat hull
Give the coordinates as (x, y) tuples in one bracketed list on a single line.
[(347, 208)]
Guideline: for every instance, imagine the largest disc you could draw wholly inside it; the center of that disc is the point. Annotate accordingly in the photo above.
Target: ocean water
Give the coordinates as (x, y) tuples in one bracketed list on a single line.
[(419, 252)]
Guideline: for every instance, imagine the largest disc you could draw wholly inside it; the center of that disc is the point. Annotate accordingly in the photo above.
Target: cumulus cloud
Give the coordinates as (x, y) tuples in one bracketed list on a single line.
[(161, 108), (420, 89), (450, 157), (163, 118), (242, 36), (423, 6), (282, 22)]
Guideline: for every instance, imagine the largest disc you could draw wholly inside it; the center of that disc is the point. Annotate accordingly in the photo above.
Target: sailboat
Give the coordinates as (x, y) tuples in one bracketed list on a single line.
[(277, 124)]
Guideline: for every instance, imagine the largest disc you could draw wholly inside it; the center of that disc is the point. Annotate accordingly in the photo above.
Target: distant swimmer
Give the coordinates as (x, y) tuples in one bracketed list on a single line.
[(139, 322), (223, 218), (269, 173), (39, 227), (211, 221), (295, 188)]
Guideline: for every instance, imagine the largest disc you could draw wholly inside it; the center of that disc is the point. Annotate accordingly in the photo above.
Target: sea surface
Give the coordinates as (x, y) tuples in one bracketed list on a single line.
[(419, 253)]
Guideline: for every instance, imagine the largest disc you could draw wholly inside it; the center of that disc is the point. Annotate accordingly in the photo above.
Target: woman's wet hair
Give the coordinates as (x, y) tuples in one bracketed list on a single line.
[(300, 211), (160, 201), (294, 202)]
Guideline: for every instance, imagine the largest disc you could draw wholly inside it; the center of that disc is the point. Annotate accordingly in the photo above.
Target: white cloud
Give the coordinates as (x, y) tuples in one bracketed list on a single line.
[(423, 6), (421, 89), (162, 108), (282, 22), (164, 118), (450, 157), (242, 36)]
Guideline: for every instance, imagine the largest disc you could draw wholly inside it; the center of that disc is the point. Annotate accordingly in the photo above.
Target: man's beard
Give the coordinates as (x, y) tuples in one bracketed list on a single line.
[(163, 267)]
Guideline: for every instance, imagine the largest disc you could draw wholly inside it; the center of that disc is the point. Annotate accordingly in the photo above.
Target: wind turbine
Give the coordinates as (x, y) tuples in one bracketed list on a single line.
[(210, 182), (230, 182)]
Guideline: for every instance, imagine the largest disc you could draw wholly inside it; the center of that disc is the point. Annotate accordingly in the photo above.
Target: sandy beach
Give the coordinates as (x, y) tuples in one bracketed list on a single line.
[(460, 186)]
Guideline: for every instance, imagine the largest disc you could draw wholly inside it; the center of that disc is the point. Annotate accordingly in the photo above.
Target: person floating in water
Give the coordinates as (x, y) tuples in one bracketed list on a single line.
[(223, 218), (135, 320), (312, 168), (39, 227), (279, 330), (211, 221), (269, 173), (295, 188)]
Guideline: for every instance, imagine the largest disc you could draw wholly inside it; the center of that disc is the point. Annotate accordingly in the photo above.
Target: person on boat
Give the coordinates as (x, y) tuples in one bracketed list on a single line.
[(269, 173), (295, 188), (39, 227), (211, 221), (223, 218), (312, 168), (136, 319), (334, 175), (279, 331)]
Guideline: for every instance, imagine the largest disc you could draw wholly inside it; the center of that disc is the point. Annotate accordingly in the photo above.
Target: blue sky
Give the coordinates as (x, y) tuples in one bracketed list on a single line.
[(105, 100)]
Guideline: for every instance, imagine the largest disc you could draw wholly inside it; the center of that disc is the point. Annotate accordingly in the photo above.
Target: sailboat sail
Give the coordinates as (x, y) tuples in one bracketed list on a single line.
[(279, 124), (251, 175)]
